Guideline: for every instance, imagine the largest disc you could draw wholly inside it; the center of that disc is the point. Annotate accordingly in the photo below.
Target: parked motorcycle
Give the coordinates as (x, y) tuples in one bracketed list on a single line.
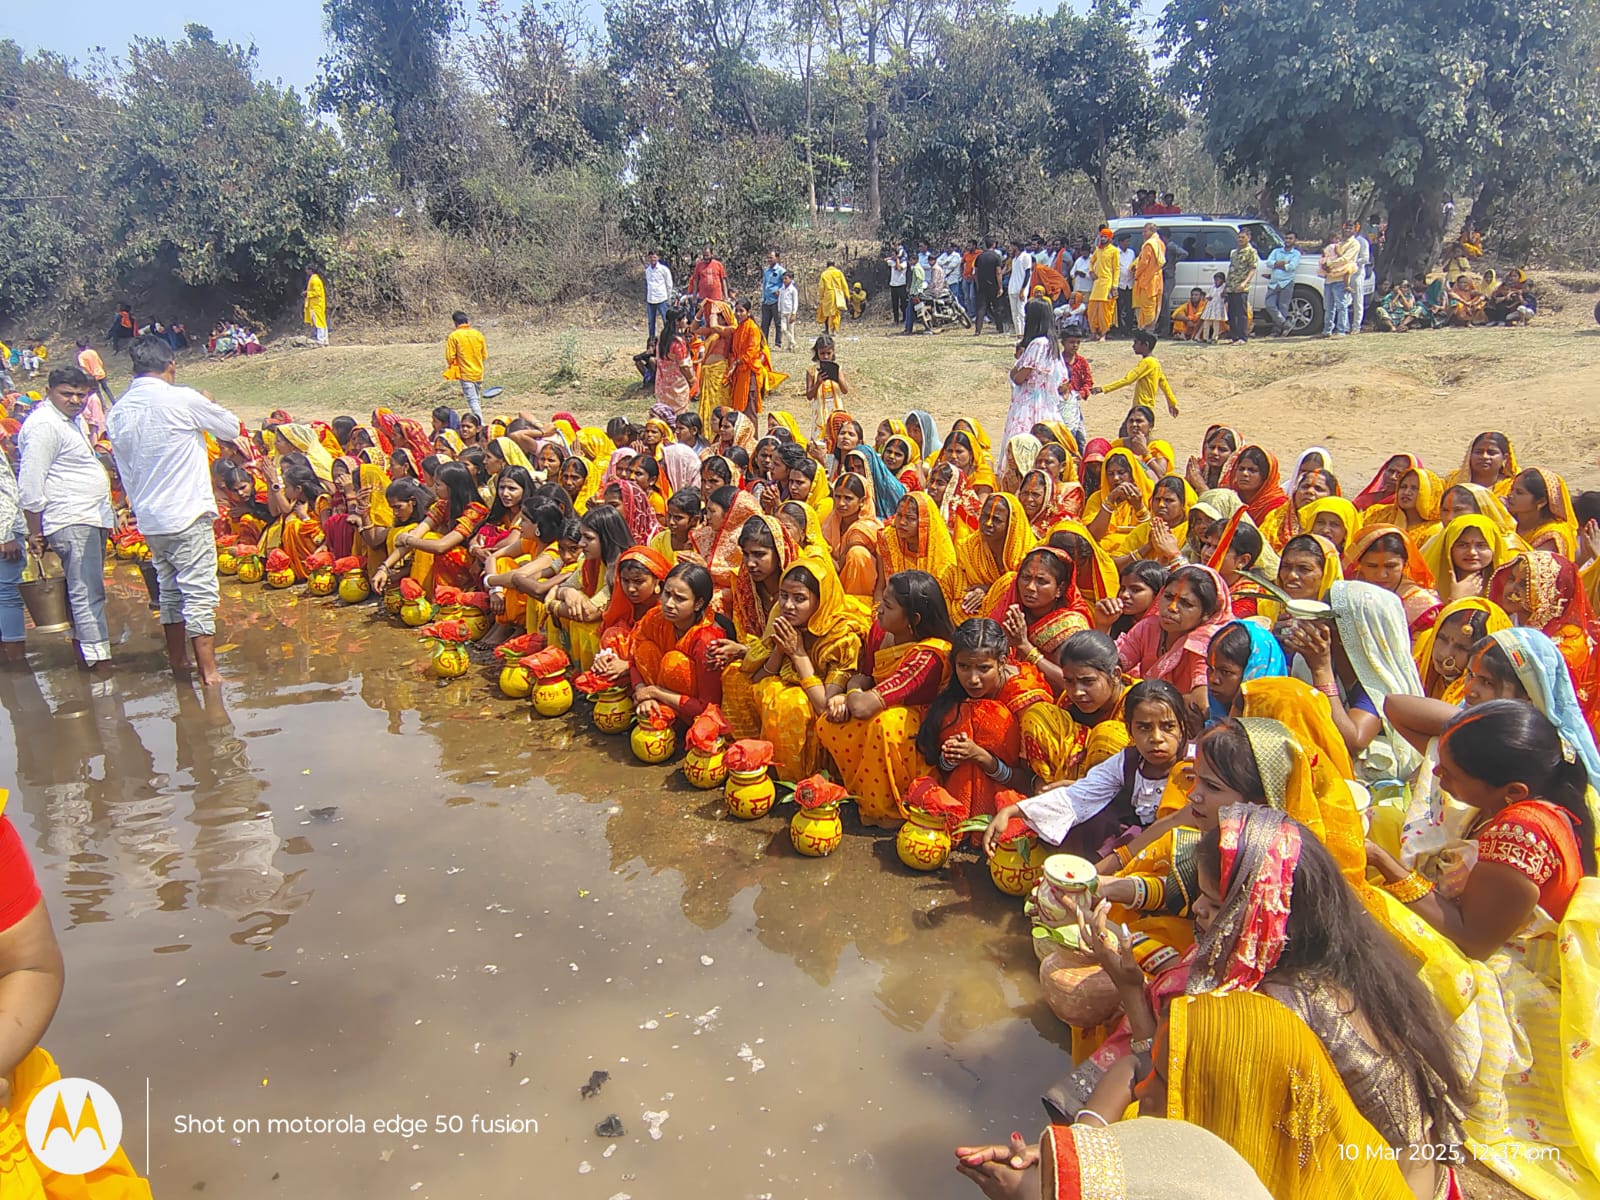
[(937, 312)]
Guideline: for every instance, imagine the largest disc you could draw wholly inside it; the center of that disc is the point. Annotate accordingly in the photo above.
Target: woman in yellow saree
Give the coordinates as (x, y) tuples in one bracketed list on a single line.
[(993, 550), (1333, 518), (1097, 575), (812, 644), (871, 730), (1442, 650), (767, 551), (1085, 725), (296, 531), (304, 439), (917, 539), (1490, 463), (1539, 502), (502, 452), (1414, 509), (575, 611), (1121, 503), (1465, 556), (31, 979)]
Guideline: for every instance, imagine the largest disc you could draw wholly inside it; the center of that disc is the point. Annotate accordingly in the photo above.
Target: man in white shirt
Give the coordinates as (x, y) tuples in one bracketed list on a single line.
[(1126, 255), (1363, 282), (67, 500), (788, 310), (1017, 285), (157, 433), (657, 290), (1082, 272), (950, 263), (898, 268)]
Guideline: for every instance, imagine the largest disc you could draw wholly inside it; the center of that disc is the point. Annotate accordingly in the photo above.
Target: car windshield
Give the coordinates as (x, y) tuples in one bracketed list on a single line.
[(1263, 237)]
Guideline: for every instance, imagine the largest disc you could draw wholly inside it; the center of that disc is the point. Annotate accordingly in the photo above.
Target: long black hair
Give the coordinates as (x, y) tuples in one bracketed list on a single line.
[(1509, 741), (919, 594), (975, 635), (463, 492), (1227, 748), (406, 490), (546, 515), (1039, 321), (1331, 940), (519, 476), (607, 524)]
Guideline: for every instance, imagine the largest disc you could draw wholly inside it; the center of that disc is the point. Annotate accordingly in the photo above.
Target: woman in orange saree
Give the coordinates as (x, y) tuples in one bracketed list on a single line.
[(439, 542), (1040, 607), (640, 573), (1542, 507), (672, 675), (752, 376), (297, 531), (870, 731), (851, 532), (1543, 591), (717, 540)]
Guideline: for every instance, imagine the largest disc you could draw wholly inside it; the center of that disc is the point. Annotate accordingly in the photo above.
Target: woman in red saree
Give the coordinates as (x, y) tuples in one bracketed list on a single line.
[(1252, 475), (1542, 591), (972, 734), (395, 433), (752, 376), (717, 540), (640, 573)]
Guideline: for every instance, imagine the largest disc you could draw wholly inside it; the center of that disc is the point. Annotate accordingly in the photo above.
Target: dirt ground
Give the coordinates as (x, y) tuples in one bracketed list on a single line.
[(1363, 397)]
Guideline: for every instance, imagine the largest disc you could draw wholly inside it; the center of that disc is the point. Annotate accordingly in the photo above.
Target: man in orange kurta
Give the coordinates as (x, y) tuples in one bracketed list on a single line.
[(752, 376), (1147, 279)]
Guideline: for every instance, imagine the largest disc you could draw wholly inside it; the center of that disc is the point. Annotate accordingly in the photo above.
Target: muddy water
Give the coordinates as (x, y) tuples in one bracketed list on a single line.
[(339, 890)]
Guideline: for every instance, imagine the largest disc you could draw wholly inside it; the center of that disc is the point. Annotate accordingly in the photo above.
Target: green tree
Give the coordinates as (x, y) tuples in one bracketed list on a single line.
[(1101, 99), (1419, 100), (53, 124), (391, 54), (218, 177), (973, 113)]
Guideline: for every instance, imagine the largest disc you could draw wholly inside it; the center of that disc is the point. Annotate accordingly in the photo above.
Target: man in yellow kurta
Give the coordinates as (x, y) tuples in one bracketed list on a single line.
[(1105, 265), (1147, 279), (833, 298), (316, 307), (465, 352)]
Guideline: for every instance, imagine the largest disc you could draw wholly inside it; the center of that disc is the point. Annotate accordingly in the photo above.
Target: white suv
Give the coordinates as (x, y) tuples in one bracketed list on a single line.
[(1200, 245)]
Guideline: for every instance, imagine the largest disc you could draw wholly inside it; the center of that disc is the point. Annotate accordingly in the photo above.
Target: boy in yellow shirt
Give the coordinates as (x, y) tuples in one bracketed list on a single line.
[(464, 354), (1147, 378)]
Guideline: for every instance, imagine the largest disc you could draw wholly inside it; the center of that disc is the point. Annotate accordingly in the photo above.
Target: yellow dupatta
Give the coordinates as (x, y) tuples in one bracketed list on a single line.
[(511, 453), (304, 439), (1453, 691), (976, 561), (1139, 539), (1251, 1070), (1349, 516), (1436, 554), (1107, 581), (1430, 489), (934, 552), (1125, 517), (1462, 475)]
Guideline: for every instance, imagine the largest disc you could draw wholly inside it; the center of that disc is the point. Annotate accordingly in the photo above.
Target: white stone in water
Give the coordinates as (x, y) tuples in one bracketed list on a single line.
[(654, 1121), (706, 960), (584, 1168), (399, 897)]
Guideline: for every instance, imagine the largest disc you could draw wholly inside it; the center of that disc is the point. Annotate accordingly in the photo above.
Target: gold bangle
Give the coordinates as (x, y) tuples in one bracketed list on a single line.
[(811, 681), (1409, 889)]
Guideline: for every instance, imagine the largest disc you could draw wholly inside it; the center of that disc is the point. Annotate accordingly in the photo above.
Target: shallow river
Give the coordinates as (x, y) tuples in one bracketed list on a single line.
[(340, 890)]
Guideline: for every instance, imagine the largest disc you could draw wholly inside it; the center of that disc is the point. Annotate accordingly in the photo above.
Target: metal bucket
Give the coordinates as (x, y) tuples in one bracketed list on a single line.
[(46, 599)]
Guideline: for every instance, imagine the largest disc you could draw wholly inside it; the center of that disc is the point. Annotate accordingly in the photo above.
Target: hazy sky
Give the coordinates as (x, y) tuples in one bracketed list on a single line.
[(287, 33)]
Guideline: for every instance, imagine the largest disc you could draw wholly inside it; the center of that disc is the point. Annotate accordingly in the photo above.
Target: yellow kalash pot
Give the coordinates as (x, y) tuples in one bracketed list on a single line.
[(319, 574), (749, 792), (353, 586), (552, 690), (932, 817), (516, 681), (815, 828), (280, 570), (447, 640), (705, 759)]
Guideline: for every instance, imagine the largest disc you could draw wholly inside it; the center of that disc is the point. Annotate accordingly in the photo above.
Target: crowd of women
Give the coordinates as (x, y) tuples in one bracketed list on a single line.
[(1331, 747)]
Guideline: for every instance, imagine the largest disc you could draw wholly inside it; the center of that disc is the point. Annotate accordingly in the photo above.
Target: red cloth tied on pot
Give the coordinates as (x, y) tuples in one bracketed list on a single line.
[(550, 661), (927, 796), (477, 600), (320, 560), (444, 595), (410, 589), (446, 631), (346, 565), (749, 754), (709, 730), (279, 560), (523, 643), (816, 792)]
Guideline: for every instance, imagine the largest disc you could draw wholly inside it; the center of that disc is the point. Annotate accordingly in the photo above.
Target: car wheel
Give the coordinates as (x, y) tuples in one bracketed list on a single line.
[(1305, 311)]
